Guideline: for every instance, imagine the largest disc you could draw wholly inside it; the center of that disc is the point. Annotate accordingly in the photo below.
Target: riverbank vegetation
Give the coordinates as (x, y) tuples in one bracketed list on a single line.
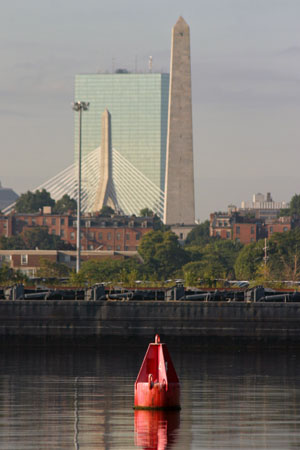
[(203, 261)]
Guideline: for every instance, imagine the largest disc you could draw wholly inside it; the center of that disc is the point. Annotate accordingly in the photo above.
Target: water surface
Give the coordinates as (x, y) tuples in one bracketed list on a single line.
[(82, 399)]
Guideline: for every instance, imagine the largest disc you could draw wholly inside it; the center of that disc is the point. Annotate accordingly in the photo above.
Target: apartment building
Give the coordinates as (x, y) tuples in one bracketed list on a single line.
[(114, 233)]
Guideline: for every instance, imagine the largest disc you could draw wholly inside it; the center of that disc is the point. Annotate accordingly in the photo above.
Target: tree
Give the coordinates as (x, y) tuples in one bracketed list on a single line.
[(77, 279), (284, 255), (294, 208), (94, 271), (12, 243), (32, 202), (249, 260), (162, 253), (38, 237), (205, 270), (283, 258), (295, 205), (106, 211), (214, 260), (195, 252), (146, 212), (52, 269), (284, 212), (157, 222), (8, 275), (199, 235), (65, 204)]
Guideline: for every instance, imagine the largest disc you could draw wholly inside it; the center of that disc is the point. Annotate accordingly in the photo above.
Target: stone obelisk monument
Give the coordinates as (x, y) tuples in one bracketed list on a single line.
[(179, 186), (103, 196)]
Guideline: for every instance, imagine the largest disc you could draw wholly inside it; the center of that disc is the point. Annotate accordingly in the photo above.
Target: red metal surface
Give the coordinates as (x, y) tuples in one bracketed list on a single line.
[(157, 384)]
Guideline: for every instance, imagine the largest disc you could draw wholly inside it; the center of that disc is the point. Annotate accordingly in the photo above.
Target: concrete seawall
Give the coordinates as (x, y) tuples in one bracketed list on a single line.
[(74, 319)]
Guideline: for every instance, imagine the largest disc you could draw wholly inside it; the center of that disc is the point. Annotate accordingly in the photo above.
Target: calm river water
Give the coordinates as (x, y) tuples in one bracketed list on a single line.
[(82, 399)]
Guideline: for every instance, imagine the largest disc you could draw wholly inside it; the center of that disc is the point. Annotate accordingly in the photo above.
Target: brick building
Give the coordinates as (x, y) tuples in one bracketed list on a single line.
[(115, 233), (246, 232), (245, 228), (28, 261), (280, 225), (221, 225), (5, 225)]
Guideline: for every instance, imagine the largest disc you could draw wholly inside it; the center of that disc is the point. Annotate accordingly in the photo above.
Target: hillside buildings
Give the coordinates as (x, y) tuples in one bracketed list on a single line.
[(253, 221), (102, 238), (245, 229), (115, 233), (263, 207)]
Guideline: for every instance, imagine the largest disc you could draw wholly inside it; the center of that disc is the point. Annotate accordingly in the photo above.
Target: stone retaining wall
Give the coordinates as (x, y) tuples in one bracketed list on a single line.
[(132, 318)]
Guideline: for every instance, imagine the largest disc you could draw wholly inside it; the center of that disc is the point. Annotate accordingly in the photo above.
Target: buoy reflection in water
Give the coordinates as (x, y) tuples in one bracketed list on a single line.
[(155, 429)]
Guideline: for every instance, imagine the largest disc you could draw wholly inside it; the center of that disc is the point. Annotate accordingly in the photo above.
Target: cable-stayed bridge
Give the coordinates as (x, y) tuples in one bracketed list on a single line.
[(130, 189)]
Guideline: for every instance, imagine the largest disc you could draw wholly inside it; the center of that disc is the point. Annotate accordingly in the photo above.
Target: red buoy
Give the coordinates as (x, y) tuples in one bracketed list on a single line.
[(157, 384)]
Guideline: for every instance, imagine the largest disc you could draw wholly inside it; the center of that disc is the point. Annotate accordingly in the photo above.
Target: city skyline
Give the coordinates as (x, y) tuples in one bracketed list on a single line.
[(245, 84), (138, 108)]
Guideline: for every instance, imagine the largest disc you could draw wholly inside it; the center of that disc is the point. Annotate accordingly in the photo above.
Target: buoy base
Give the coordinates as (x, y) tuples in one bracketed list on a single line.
[(158, 408), (157, 396)]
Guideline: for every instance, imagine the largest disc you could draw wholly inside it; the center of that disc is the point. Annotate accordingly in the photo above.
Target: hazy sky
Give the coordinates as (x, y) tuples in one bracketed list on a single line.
[(245, 84)]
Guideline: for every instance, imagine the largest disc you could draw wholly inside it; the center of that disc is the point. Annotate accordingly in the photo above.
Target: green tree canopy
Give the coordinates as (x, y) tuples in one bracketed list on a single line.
[(216, 259), (203, 270), (8, 276), (12, 243), (52, 269), (32, 202), (106, 211), (162, 253), (284, 255), (38, 237), (199, 234), (32, 238), (94, 271), (146, 212), (249, 260), (157, 223), (294, 208), (65, 204), (283, 251), (295, 205)]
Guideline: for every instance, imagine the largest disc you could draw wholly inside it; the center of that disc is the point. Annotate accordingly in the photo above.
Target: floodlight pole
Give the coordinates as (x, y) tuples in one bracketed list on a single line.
[(79, 107)]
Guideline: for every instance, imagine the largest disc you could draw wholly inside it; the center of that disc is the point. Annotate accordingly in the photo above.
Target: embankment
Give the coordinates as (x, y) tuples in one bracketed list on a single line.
[(127, 319)]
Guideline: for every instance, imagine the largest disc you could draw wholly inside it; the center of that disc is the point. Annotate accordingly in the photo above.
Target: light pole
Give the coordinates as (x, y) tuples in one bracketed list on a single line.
[(79, 106)]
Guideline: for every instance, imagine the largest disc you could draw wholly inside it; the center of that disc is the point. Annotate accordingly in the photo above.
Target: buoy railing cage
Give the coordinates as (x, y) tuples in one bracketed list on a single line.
[(157, 384)]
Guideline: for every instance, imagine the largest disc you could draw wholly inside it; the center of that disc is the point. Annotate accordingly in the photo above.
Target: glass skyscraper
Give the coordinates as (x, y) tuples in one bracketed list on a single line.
[(138, 104)]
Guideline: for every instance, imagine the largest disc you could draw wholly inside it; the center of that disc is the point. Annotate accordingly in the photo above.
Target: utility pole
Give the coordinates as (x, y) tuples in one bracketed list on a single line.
[(265, 257), (79, 107)]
